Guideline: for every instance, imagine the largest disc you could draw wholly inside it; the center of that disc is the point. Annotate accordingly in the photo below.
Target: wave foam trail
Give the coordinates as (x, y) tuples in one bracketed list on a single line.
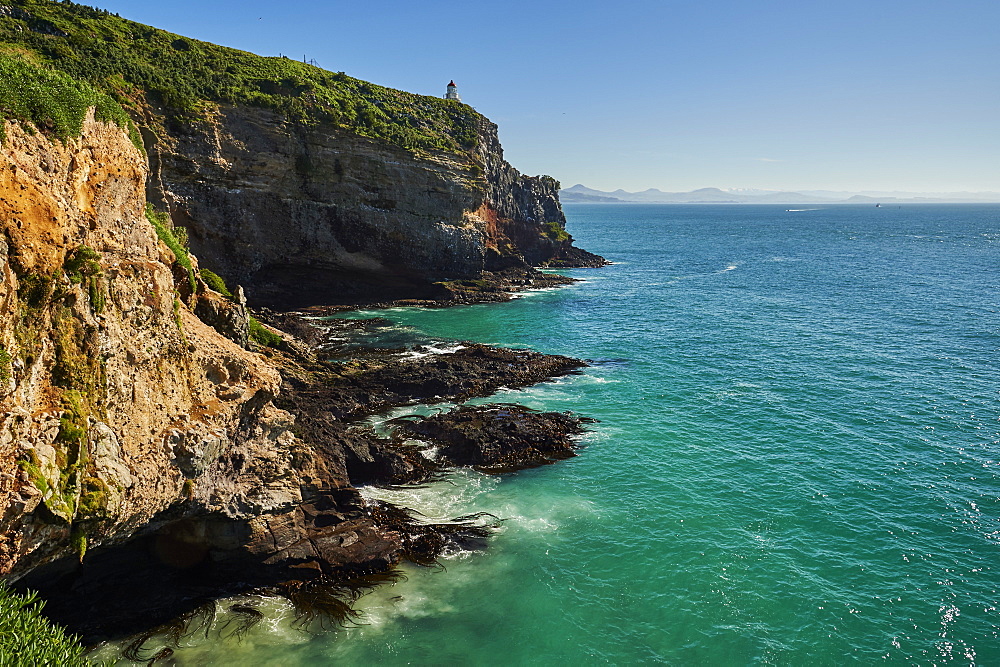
[(456, 495)]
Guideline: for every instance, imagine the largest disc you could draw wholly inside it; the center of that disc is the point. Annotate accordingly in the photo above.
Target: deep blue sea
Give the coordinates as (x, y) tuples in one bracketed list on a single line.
[(796, 462)]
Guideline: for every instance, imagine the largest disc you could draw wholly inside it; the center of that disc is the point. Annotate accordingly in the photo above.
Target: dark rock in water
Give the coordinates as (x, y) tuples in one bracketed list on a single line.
[(354, 452), (496, 286), (330, 399), (570, 256), (356, 389), (500, 437), (424, 542)]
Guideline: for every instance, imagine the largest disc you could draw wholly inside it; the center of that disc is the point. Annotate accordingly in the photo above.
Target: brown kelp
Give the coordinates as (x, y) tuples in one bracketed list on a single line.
[(198, 621), (244, 617), (324, 601), (499, 437)]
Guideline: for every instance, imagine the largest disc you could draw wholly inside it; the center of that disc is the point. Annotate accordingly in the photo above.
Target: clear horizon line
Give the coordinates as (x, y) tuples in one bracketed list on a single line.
[(796, 190)]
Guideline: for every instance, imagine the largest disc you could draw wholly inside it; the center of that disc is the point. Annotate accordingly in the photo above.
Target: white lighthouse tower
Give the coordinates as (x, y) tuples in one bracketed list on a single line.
[(452, 93)]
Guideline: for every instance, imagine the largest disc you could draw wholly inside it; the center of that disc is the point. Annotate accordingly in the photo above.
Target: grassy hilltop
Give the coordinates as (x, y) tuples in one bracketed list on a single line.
[(136, 64)]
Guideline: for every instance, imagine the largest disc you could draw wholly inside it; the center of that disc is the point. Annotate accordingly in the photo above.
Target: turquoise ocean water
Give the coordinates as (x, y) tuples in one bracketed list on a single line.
[(796, 462)]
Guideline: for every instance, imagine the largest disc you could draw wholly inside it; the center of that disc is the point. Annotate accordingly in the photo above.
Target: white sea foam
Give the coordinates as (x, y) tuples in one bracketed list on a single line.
[(454, 496), (378, 422), (596, 379), (534, 291), (431, 350)]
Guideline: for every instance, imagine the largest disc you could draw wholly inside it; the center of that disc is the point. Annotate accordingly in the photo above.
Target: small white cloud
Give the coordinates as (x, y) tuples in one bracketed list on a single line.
[(766, 159)]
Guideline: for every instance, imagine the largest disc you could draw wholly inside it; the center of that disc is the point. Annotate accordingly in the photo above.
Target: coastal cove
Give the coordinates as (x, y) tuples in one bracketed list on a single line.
[(170, 434), (301, 369), (795, 460)]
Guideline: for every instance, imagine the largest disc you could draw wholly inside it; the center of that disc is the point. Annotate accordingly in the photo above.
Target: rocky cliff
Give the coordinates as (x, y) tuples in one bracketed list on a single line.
[(306, 215), (155, 449), (139, 447), (116, 402), (303, 185), (134, 409)]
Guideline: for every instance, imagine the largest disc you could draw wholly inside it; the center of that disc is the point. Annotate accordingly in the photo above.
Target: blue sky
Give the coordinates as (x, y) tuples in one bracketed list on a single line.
[(853, 95)]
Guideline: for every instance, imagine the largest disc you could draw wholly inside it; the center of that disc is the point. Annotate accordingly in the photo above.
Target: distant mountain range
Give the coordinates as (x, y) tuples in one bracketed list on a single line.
[(581, 193)]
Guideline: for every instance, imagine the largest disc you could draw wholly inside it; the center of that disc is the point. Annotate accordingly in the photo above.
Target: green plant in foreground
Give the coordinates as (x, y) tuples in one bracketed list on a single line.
[(28, 638)]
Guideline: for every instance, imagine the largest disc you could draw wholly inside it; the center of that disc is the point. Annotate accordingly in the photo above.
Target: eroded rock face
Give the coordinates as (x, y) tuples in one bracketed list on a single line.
[(524, 219), (313, 215), (117, 403)]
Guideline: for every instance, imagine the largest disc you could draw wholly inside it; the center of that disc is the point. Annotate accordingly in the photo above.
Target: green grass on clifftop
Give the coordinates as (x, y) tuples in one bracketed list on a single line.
[(129, 60), (53, 101)]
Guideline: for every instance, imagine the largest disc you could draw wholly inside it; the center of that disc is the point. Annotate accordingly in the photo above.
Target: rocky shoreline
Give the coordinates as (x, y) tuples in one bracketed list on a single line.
[(334, 543), (490, 287), (161, 446)]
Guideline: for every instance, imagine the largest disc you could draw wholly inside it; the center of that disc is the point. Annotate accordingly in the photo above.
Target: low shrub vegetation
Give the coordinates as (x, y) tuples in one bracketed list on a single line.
[(6, 366), (555, 231), (262, 335), (215, 282), (54, 101), (130, 61)]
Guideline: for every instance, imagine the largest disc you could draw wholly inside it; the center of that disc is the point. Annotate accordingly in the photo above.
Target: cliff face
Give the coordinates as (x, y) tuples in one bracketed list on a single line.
[(523, 212), (313, 214), (116, 402), (304, 185)]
